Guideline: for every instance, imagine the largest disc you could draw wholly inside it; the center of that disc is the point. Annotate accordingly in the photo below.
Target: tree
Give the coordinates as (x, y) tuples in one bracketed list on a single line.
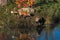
[(24, 3)]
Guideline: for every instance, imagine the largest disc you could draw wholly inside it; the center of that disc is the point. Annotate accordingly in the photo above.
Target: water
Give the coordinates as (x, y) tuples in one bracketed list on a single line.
[(55, 33)]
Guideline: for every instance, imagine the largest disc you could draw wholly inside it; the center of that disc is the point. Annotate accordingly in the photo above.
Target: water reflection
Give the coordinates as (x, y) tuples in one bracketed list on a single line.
[(54, 35)]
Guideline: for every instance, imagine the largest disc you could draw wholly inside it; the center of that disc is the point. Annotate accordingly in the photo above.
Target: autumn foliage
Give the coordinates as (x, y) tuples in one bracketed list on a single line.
[(25, 3)]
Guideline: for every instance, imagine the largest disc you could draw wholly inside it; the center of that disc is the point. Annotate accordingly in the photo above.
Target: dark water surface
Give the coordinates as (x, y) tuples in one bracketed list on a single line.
[(54, 35)]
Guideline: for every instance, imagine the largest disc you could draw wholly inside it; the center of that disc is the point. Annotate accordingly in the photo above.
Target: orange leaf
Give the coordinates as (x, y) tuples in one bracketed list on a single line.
[(17, 2), (19, 6)]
